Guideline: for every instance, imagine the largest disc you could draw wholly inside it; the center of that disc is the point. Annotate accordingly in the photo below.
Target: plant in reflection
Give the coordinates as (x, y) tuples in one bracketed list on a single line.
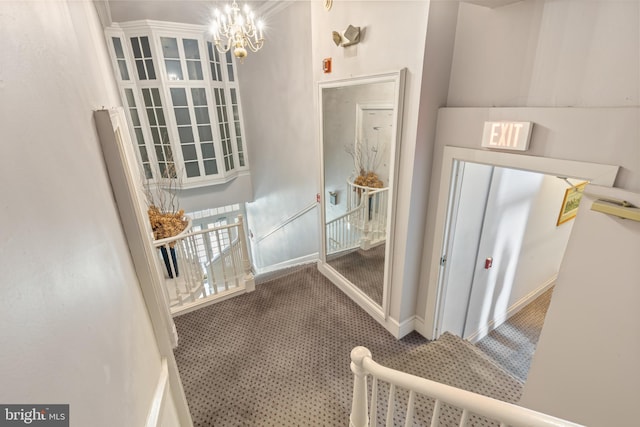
[(367, 158)]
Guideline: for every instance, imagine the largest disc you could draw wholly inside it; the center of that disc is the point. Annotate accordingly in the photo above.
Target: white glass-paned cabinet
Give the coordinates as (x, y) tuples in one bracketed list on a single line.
[(182, 100)]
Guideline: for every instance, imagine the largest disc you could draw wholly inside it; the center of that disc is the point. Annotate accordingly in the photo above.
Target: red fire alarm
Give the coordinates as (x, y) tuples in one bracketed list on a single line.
[(488, 263), (326, 65)]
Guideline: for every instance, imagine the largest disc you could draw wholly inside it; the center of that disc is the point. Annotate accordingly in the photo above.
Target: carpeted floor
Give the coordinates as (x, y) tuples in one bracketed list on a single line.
[(280, 357), (365, 269), (513, 343)]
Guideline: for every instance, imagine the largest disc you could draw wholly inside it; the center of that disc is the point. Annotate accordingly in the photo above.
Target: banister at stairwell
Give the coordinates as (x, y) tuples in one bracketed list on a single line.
[(210, 265), (364, 415)]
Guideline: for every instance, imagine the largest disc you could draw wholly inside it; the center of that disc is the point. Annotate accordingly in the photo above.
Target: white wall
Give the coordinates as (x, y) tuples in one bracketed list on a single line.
[(586, 364), (75, 326), (238, 190), (277, 97), (547, 53)]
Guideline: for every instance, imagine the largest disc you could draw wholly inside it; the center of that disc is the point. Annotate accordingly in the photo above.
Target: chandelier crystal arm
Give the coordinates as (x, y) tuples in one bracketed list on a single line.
[(238, 29)]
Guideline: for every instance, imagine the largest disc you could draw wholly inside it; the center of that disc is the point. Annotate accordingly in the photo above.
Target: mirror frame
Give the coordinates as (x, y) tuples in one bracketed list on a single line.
[(378, 312)]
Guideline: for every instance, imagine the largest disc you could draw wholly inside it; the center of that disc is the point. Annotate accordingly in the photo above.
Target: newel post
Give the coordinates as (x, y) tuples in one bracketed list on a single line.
[(249, 281), (359, 407)]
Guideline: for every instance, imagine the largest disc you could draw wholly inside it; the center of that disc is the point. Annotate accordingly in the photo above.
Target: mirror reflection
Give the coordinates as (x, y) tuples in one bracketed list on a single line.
[(358, 148)]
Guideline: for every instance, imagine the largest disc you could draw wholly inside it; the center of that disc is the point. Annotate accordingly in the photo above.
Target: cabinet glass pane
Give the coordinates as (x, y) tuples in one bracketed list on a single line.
[(135, 119), (164, 135), (186, 134), (199, 96), (151, 72), (178, 97), (189, 152), (230, 66), (124, 72), (130, 99), (117, 47), (146, 50), (139, 136), (195, 70), (182, 116), (143, 154), (147, 171), (135, 46), (210, 167), (169, 47), (190, 48), (202, 115), (204, 133), (155, 135), (168, 153), (174, 70), (160, 116), (192, 169), (214, 62), (146, 96), (208, 151), (156, 97), (159, 153), (152, 117), (142, 74)]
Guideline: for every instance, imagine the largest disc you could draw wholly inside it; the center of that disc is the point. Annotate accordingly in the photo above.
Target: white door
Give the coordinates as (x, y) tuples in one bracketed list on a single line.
[(508, 208)]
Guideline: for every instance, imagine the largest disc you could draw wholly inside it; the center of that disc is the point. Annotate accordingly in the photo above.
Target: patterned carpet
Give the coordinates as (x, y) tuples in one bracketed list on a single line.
[(365, 269), (513, 343), (280, 357)]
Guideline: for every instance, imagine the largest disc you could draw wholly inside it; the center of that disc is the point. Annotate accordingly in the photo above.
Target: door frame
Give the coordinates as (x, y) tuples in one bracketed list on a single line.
[(599, 174)]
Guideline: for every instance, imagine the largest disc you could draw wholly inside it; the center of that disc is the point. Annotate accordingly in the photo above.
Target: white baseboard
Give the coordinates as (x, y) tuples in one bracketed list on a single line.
[(289, 263), (154, 415), (420, 327), (400, 329), (203, 302), (516, 307)]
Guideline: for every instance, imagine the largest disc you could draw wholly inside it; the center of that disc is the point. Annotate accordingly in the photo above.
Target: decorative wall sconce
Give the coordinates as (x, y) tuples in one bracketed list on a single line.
[(348, 37)]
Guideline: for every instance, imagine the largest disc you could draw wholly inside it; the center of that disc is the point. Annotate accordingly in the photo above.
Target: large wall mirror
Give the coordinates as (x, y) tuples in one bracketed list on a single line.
[(360, 128)]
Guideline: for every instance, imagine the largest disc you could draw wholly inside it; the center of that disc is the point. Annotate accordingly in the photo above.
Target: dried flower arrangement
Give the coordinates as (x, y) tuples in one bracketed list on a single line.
[(165, 216), (369, 179), (366, 159), (166, 224)]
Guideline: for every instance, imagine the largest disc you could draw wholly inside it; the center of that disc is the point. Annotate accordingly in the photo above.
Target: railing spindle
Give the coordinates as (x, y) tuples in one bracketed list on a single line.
[(435, 418), (373, 412), (464, 418), (391, 404), (410, 408), (211, 275)]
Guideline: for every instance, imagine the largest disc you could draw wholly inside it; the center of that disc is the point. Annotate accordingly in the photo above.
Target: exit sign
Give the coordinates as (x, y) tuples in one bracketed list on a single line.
[(507, 135)]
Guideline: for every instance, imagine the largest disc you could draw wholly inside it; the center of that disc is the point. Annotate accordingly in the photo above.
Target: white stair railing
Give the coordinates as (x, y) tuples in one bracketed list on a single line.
[(364, 224), (206, 265), (364, 414)]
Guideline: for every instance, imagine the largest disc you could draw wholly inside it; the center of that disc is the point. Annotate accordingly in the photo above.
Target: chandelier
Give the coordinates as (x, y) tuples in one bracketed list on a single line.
[(237, 29)]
